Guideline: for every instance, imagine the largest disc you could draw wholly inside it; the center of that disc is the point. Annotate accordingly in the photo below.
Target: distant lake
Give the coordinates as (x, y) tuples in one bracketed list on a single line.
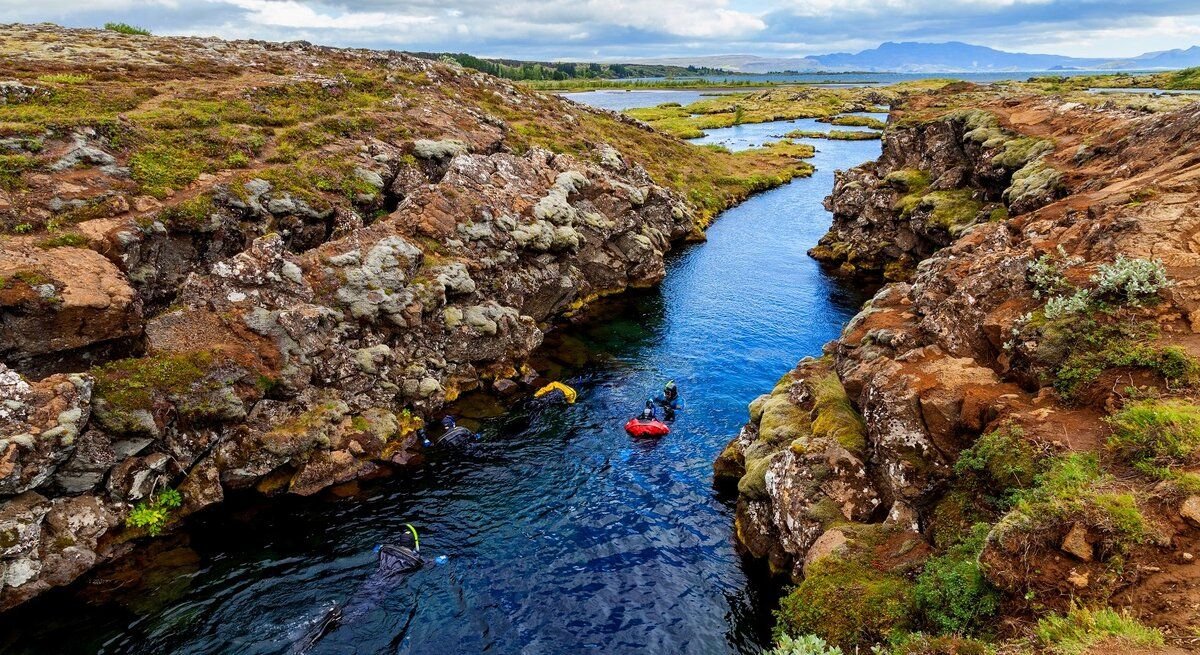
[(622, 99)]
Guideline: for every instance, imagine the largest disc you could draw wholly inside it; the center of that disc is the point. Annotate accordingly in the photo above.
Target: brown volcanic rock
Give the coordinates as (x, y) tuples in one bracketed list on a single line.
[(60, 299), (932, 363)]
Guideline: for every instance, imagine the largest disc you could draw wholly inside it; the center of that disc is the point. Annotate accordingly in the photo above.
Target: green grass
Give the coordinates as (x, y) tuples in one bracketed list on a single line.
[(858, 121), (1081, 628), (12, 167), (126, 28), (836, 135), (1158, 437), (1074, 488), (161, 169)]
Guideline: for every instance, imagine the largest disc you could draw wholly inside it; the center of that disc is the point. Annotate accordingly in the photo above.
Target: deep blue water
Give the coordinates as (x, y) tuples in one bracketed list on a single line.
[(563, 534)]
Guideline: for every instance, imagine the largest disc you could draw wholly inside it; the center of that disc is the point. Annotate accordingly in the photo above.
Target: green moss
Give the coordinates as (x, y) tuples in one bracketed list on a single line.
[(131, 384), (71, 239), (836, 417), (848, 604), (191, 213), (923, 644), (952, 209), (1081, 628), (160, 169)]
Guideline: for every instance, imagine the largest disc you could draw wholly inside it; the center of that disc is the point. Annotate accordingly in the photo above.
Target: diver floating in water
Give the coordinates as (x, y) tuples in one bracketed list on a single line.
[(669, 400), (647, 424), (453, 435), (396, 561)]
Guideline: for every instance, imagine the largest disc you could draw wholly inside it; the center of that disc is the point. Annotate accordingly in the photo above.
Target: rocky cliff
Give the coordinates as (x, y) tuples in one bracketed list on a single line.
[(234, 265), (1008, 430)]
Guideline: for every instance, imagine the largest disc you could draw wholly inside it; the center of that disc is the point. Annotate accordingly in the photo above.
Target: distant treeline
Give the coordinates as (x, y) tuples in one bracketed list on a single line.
[(514, 69)]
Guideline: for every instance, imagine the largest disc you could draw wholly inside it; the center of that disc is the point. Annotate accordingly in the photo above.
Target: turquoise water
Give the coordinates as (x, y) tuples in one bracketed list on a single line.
[(562, 534)]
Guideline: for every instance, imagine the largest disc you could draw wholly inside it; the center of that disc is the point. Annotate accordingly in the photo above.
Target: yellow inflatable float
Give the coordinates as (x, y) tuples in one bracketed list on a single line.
[(566, 391)]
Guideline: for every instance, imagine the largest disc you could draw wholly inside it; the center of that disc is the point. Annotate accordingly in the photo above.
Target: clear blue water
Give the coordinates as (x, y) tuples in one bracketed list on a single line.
[(754, 135), (563, 534)]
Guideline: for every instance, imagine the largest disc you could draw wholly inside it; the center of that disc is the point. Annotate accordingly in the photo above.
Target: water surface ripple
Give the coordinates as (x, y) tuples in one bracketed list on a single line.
[(563, 534)]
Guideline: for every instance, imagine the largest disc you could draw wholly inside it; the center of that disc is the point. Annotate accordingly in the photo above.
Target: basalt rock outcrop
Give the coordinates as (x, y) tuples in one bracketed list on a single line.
[(1013, 321), (246, 265)]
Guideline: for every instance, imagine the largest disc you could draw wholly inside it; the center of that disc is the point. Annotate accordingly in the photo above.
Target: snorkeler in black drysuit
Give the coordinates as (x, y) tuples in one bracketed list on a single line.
[(453, 435), (669, 400), (396, 561)]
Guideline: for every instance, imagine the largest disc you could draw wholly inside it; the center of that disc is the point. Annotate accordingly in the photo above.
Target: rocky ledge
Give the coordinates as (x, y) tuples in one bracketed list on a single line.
[(1009, 431), (246, 265)]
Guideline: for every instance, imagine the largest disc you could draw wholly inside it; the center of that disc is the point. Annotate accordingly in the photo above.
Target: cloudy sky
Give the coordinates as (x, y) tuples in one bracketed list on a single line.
[(621, 29)]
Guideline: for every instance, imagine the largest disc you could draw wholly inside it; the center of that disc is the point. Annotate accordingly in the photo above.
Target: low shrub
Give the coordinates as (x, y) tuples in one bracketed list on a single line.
[(1131, 280), (1000, 463), (126, 28), (951, 594), (803, 645)]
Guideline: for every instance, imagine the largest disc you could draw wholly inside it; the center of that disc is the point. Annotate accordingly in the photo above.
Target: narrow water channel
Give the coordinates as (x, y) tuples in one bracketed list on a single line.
[(562, 534)]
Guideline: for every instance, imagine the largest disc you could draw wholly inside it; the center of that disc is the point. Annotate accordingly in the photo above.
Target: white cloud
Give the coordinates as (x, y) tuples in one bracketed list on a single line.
[(296, 14)]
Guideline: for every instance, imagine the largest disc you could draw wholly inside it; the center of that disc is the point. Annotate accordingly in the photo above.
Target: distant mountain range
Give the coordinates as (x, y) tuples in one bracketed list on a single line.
[(951, 57)]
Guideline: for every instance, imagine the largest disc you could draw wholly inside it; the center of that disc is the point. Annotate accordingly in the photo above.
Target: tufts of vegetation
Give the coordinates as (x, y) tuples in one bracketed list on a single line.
[(161, 169), (951, 594), (131, 384), (836, 135), (192, 213), (849, 604), (1092, 348), (65, 78), (1132, 281), (12, 167), (916, 643), (803, 645), (1046, 272), (1158, 437), (1001, 464), (153, 515), (66, 239), (858, 121), (126, 28), (1075, 488), (1080, 629)]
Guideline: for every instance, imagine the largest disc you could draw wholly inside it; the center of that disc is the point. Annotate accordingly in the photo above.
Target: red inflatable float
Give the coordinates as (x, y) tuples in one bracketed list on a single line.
[(637, 427)]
